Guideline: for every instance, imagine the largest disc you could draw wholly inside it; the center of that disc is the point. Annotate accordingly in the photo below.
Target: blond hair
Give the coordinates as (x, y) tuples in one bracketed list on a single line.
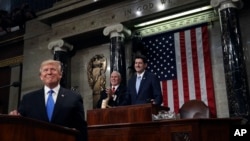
[(53, 62)]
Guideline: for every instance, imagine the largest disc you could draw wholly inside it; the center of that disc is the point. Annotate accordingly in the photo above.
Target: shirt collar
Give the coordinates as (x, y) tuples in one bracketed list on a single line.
[(140, 74), (115, 86), (56, 89)]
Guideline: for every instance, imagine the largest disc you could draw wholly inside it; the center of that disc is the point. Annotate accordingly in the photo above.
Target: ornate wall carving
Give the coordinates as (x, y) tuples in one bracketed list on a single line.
[(96, 75)]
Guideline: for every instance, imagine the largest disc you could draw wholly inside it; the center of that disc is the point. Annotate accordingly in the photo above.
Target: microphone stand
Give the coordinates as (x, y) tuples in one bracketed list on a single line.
[(14, 84), (5, 86)]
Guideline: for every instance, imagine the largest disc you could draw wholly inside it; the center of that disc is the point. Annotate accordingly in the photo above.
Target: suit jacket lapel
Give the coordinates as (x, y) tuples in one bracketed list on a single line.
[(118, 93), (143, 79), (118, 90), (41, 104), (59, 101), (134, 85)]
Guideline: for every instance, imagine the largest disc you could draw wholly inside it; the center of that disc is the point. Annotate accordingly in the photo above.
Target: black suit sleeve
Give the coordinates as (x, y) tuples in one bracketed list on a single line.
[(79, 120)]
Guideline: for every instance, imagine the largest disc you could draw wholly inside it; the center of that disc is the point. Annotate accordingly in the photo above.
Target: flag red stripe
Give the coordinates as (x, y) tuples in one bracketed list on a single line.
[(164, 91), (195, 64), (208, 69), (184, 66), (176, 95)]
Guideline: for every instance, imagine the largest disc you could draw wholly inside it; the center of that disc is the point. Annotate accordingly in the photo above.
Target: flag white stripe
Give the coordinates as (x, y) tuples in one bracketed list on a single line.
[(170, 94), (190, 64), (202, 74), (179, 68)]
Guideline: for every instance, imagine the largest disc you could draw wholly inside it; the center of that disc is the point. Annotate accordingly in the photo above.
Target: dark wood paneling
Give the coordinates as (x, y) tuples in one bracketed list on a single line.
[(4, 92), (17, 128), (123, 114), (210, 129)]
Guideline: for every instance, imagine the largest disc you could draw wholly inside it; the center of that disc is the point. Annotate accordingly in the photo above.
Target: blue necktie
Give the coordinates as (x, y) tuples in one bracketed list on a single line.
[(50, 104), (138, 82)]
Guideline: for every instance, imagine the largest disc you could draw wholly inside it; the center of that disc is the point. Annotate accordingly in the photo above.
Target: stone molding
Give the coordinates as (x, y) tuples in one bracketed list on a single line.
[(60, 45), (116, 30)]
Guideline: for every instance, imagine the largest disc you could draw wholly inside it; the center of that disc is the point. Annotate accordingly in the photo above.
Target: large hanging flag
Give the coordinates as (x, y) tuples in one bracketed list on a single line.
[(181, 60)]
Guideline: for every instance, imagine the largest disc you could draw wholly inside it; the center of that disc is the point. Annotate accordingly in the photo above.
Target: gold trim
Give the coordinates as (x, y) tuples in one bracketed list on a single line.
[(11, 61)]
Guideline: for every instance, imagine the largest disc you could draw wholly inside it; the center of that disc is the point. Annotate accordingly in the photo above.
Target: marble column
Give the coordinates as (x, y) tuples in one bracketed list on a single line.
[(61, 51), (233, 56), (117, 35)]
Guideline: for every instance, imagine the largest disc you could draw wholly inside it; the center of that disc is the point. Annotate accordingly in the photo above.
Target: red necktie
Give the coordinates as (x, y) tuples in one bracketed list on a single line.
[(113, 89)]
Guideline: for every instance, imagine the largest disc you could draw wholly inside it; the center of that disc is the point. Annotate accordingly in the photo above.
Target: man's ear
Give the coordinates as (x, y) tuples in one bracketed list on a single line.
[(61, 74), (40, 77)]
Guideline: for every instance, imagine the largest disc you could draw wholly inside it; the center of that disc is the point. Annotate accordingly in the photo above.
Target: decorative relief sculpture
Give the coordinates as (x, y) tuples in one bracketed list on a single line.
[(96, 76)]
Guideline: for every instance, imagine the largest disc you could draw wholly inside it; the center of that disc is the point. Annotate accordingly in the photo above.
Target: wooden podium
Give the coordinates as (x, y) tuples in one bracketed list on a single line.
[(122, 114), (165, 130), (17, 128), (134, 123)]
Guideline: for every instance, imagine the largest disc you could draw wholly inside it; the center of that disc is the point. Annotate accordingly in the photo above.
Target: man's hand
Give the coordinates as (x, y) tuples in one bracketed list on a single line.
[(15, 113), (109, 91)]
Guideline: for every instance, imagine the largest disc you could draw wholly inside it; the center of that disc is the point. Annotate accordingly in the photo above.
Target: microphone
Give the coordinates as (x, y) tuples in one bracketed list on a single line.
[(14, 84)]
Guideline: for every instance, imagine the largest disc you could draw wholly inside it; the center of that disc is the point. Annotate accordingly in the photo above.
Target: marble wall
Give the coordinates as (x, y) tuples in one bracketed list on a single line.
[(218, 70), (244, 20)]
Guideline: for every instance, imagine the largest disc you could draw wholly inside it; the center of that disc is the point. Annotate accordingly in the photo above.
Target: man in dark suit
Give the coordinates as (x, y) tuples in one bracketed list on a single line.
[(67, 106), (114, 95), (144, 87)]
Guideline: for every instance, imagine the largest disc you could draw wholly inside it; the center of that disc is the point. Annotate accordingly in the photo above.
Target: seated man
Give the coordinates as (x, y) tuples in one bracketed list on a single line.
[(114, 95)]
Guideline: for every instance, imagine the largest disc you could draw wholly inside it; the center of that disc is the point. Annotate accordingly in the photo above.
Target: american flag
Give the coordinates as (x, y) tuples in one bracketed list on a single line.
[(181, 60)]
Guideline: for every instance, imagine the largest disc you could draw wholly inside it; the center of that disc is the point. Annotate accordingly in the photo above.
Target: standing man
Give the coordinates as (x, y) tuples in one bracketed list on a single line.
[(144, 87), (114, 95), (53, 103)]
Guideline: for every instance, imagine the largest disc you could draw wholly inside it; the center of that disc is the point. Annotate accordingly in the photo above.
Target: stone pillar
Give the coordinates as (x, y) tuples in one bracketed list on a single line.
[(117, 35), (233, 56), (61, 51)]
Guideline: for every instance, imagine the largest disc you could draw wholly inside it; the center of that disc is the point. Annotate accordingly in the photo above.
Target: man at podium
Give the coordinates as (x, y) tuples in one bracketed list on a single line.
[(144, 87), (53, 103)]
